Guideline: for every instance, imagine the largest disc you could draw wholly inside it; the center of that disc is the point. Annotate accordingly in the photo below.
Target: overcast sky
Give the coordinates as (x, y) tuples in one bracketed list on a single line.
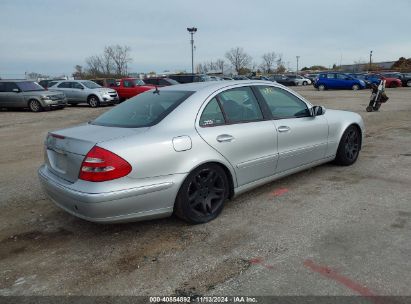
[(51, 36)]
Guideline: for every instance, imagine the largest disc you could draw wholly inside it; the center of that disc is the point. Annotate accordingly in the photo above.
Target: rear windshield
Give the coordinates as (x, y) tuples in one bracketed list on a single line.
[(29, 86), (143, 110)]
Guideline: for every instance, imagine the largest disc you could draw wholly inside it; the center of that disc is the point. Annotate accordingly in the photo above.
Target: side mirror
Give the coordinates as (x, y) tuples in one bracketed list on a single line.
[(317, 111), (16, 90)]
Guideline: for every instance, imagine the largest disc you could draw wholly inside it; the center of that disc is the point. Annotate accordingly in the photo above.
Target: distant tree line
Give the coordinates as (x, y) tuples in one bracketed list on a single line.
[(243, 63)]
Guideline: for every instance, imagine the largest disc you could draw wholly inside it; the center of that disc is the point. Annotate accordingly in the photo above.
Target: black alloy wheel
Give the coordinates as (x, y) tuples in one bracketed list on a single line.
[(349, 147), (202, 195)]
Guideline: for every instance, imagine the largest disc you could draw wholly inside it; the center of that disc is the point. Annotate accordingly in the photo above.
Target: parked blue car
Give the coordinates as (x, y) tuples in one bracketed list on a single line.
[(338, 81)]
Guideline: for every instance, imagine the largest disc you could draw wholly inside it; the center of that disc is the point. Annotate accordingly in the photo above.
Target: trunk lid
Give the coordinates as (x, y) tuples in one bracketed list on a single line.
[(65, 149)]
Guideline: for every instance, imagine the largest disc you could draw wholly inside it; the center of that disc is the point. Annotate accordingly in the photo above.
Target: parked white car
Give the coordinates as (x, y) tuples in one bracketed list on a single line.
[(299, 80)]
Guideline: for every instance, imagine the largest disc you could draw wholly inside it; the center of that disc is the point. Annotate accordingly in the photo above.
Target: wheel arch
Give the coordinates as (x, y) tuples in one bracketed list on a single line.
[(91, 95), (227, 171)]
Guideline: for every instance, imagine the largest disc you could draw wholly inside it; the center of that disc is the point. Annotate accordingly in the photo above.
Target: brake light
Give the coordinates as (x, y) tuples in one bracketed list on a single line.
[(101, 165)]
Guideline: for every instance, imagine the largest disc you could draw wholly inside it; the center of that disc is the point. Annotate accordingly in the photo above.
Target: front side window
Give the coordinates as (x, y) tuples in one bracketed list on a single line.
[(283, 104), (76, 85), (143, 110), (343, 76), (331, 76), (212, 115), (128, 84), (240, 105)]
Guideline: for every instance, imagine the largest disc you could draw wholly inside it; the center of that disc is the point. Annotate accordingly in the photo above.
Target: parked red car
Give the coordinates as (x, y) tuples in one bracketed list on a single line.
[(130, 87), (390, 82)]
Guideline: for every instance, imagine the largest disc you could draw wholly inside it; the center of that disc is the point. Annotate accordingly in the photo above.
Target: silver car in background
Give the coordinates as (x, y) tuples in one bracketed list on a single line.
[(188, 148), (29, 94), (85, 91)]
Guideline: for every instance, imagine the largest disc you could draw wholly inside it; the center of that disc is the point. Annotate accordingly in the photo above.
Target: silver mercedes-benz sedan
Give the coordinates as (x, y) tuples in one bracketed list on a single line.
[(188, 148)]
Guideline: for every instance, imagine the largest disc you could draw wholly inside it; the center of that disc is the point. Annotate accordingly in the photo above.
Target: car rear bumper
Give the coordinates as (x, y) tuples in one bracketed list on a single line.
[(151, 198)]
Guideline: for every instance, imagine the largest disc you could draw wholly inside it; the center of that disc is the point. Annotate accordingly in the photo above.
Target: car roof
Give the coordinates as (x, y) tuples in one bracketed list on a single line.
[(214, 85)]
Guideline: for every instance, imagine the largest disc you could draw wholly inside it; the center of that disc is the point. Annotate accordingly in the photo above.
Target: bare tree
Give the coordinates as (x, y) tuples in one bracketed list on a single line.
[(95, 65), (268, 62), (220, 63), (238, 58), (78, 72), (120, 56), (113, 61)]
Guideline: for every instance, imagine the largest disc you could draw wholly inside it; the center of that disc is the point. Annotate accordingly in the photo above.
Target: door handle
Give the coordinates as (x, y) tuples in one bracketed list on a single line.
[(284, 129), (225, 138)]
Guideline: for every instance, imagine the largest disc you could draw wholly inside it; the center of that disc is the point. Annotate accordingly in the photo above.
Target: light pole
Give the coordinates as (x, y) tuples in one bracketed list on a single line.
[(298, 58), (369, 69), (192, 30)]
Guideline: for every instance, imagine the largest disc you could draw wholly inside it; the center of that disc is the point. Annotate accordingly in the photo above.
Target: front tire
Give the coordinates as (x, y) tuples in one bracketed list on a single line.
[(93, 101), (321, 87), (355, 87), (349, 147), (305, 83), (35, 106), (409, 83), (201, 197)]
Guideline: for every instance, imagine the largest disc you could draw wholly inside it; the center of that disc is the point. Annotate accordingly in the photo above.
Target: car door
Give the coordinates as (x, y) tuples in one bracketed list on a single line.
[(128, 89), (233, 124), (78, 93), (302, 139), (13, 96), (65, 88)]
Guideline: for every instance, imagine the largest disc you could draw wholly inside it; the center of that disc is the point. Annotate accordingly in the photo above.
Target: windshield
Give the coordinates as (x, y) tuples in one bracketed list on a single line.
[(29, 86), (139, 82), (172, 81), (91, 84), (143, 110)]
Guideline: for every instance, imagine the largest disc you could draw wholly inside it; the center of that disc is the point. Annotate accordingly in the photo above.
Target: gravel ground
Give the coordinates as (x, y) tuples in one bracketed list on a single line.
[(325, 231)]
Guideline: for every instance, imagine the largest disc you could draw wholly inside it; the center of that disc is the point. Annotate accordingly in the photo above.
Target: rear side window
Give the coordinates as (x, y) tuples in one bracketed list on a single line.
[(212, 115), (240, 105), (143, 110), (283, 104), (64, 85)]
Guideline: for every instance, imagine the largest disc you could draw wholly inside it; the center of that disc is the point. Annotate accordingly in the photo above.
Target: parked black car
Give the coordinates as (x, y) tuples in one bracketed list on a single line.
[(45, 83), (188, 78), (282, 79), (160, 81)]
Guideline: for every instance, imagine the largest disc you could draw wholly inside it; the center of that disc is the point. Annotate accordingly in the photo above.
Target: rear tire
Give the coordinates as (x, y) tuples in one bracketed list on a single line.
[(349, 147), (394, 85), (368, 108), (35, 106), (409, 83), (93, 101), (202, 195)]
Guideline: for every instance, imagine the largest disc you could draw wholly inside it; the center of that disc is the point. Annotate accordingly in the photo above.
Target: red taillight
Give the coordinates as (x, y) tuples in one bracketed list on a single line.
[(101, 165)]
